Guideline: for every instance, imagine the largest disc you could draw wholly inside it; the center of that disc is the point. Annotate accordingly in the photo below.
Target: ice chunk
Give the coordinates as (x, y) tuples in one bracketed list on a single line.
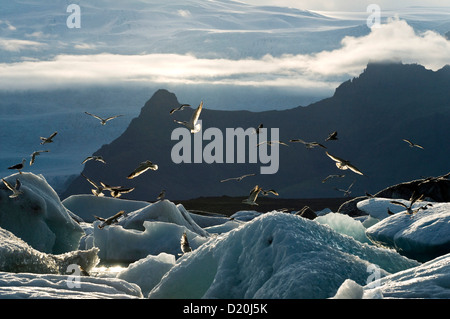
[(275, 255), (344, 224), (47, 286), (421, 236), (119, 244), (17, 256), (378, 207), (147, 272), (428, 280), (37, 216)]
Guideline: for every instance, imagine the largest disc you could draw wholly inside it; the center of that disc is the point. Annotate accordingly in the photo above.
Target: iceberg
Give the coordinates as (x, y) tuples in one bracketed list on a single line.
[(344, 224), (423, 236), (17, 256), (428, 280), (276, 255), (37, 215)]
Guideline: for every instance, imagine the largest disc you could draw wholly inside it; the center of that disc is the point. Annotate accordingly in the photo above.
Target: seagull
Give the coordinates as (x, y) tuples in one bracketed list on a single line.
[(251, 200), (102, 120), (266, 192), (332, 136), (116, 191), (240, 178), (344, 164), (161, 195), (333, 176), (36, 153), (271, 142), (184, 244), (15, 189), (409, 210), (258, 129), (307, 144), (347, 191), (98, 191), (49, 139), (411, 144), (192, 124), (182, 106), (19, 166), (110, 220), (95, 158), (144, 166)]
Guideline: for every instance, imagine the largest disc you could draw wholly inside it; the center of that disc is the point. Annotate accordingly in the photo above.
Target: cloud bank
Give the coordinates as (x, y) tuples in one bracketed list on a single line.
[(393, 41)]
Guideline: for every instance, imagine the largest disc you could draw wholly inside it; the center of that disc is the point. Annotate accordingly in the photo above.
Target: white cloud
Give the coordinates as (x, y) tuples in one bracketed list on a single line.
[(395, 40), (16, 45)]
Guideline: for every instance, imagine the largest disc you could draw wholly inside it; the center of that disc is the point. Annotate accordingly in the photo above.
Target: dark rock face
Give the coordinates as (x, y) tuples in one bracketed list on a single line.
[(371, 113)]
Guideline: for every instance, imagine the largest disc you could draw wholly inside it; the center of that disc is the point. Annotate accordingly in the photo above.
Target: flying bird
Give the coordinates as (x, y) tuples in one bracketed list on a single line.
[(272, 142), (258, 129), (411, 144), (240, 178), (95, 158), (307, 144), (116, 191), (98, 191), (18, 166), (102, 120), (344, 164), (184, 244), (251, 200), (15, 189), (347, 191), (333, 176), (413, 199), (144, 166), (49, 139), (110, 220), (192, 125), (332, 136), (181, 107), (34, 154)]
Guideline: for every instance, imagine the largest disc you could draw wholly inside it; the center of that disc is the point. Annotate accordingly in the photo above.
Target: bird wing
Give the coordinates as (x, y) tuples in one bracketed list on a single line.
[(53, 135), (298, 140), (97, 117), (196, 114), (112, 117), (354, 169), (398, 203), (335, 158), (90, 181), (87, 159), (8, 185)]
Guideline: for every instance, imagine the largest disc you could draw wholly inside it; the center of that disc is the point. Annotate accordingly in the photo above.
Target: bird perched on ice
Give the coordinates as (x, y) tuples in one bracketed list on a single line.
[(184, 244), (161, 195), (18, 166), (411, 144), (102, 120), (95, 158), (344, 164), (49, 139), (192, 125), (36, 153), (15, 189), (143, 167), (181, 107)]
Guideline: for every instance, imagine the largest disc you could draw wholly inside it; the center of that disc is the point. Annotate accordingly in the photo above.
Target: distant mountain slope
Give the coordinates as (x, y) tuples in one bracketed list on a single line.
[(372, 114)]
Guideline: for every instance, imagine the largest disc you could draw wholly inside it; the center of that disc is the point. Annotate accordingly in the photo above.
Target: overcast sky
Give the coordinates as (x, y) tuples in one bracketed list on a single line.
[(347, 5)]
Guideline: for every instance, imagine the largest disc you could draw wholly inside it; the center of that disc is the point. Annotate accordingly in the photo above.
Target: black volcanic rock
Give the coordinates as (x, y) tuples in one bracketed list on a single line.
[(372, 114)]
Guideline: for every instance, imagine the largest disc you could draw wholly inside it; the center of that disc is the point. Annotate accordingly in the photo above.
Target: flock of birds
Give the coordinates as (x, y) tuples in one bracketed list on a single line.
[(194, 127)]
